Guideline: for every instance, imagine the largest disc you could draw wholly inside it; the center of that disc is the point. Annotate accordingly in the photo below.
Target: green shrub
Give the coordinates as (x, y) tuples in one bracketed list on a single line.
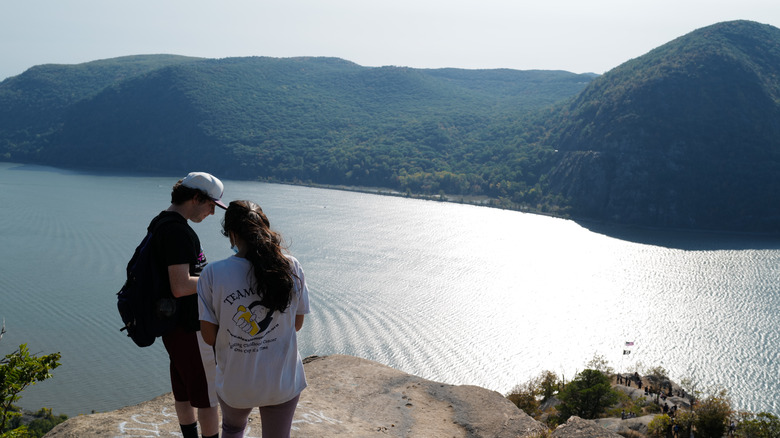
[(19, 432), (19, 370), (712, 415), (524, 397), (44, 421), (625, 404), (587, 396), (548, 384), (528, 396), (659, 427), (761, 425)]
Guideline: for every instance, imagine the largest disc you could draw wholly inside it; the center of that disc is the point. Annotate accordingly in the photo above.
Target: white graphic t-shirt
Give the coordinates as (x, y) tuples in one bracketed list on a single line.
[(258, 363)]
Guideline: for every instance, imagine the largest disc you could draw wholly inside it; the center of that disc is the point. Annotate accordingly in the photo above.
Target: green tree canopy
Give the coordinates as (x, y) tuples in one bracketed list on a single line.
[(587, 396), (19, 370), (761, 425), (712, 415)]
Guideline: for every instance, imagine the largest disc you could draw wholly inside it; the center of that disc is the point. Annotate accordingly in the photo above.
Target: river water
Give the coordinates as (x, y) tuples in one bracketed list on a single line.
[(454, 293)]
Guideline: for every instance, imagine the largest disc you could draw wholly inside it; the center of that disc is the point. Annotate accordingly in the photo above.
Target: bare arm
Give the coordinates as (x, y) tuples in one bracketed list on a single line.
[(298, 322), (182, 284), (209, 332)]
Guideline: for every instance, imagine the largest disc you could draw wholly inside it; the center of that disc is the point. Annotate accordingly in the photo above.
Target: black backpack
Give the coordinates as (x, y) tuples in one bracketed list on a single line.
[(145, 311)]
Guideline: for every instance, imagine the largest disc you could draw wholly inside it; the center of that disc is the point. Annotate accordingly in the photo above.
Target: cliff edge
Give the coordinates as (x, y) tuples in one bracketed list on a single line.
[(347, 397)]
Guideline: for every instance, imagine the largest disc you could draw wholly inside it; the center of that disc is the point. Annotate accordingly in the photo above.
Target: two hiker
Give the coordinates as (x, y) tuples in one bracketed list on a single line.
[(258, 291)]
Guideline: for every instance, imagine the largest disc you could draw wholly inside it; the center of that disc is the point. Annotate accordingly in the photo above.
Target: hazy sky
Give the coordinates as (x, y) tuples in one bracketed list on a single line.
[(574, 35)]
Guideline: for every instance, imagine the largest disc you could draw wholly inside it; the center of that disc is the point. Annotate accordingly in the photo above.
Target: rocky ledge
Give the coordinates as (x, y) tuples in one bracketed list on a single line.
[(352, 397)]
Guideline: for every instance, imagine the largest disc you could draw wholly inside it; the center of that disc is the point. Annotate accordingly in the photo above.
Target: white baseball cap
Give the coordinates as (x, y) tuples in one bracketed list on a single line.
[(207, 183)]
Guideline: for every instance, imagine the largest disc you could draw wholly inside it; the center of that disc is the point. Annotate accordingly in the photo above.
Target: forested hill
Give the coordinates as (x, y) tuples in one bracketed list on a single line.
[(320, 120), (685, 136)]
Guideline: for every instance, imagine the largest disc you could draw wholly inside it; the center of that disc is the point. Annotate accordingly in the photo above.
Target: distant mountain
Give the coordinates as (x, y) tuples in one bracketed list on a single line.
[(33, 104), (686, 136), (320, 120)]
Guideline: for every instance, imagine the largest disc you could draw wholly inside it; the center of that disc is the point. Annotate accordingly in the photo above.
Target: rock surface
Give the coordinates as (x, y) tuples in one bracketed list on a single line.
[(577, 427), (347, 397), (617, 425)]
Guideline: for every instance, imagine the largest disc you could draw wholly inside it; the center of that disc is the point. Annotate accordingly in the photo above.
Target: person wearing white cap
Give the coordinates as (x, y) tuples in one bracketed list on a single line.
[(179, 259)]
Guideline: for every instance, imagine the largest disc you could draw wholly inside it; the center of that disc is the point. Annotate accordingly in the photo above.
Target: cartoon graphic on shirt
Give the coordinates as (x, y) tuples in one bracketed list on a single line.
[(247, 320)]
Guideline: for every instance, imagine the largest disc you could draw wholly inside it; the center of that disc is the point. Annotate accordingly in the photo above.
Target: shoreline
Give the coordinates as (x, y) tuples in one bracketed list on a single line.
[(485, 201), (475, 200)]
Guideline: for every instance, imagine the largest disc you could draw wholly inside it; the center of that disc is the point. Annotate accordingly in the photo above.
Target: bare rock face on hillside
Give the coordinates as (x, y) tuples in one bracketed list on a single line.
[(346, 397)]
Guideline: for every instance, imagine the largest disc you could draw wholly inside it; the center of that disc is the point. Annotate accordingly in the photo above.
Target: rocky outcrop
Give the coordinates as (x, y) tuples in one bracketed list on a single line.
[(624, 427), (577, 427), (347, 397)]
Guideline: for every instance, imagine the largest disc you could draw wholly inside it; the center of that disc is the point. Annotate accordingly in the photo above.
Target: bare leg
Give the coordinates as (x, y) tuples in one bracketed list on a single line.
[(209, 420), (185, 412)]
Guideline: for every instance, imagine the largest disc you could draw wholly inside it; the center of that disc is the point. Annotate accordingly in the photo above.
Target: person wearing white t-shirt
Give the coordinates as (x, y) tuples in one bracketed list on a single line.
[(251, 306)]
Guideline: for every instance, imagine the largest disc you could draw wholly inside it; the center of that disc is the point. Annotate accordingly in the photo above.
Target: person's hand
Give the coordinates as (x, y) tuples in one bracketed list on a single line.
[(246, 320)]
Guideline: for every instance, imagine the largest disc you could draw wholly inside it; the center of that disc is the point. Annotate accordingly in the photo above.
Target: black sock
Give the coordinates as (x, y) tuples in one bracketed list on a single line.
[(189, 430), (212, 436)]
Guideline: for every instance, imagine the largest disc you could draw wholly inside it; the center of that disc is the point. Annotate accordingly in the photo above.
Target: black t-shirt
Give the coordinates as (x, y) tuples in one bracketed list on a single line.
[(175, 243)]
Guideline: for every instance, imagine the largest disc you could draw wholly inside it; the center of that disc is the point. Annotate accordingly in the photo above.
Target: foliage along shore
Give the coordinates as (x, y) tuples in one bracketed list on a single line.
[(666, 408)]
